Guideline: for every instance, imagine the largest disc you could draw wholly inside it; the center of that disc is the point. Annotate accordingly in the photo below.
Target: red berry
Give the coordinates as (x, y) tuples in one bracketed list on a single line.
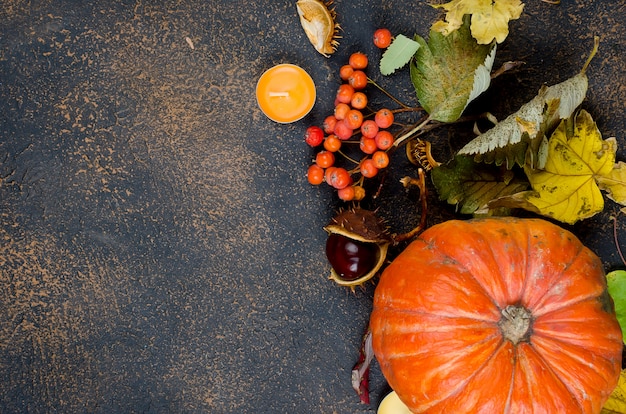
[(338, 177), (384, 118), (359, 100), (358, 60), (332, 143), (343, 130), (354, 118), (345, 71), (368, 168), (384, 139), (381, 159), (314, 136), (341, 110), (358, 79), (382, 38), (315, 174), (325, 159), (368, 145), (344, 93), (369, 129), (329, 124), (346, 193)]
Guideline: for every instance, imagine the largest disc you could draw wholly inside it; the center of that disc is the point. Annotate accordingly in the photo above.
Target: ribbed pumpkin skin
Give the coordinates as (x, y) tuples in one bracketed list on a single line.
[(437, 307)]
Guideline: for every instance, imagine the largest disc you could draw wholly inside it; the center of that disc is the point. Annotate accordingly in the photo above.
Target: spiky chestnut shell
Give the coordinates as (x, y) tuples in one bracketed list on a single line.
[(318, 21), (357, 237)]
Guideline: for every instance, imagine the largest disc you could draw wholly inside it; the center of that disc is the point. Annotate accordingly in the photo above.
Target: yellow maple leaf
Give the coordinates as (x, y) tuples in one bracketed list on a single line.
[(614, 183), (490, 18), (617, 400), (566, 189)]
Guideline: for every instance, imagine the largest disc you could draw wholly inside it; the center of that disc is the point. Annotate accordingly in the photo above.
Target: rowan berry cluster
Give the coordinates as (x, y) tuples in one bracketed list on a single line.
[(352, 122)]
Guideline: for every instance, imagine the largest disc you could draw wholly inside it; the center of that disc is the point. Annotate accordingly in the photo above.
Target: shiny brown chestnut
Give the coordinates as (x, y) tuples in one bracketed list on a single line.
[(356, 247)]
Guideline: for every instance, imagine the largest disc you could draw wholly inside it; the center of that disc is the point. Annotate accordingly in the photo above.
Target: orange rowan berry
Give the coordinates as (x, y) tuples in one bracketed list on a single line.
[(384, 118), (368, 168), (368, 145), (338, 177), (346, 193), (358, 60), (358, 79), (325, 159), (343, 131), (354, 118), (345, 71), (332, 143), (315, 174), (369, 129), (341, 110), (384, 139), (381, 159), (329, 124), (345, 93), (382, 38), (359, 100)]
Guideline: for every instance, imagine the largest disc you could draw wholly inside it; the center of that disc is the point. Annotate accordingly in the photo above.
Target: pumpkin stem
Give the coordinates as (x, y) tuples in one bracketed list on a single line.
[(515, 323)]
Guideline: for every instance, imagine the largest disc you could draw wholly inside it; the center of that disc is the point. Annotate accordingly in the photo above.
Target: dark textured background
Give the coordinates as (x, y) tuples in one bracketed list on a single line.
[(160, 249)]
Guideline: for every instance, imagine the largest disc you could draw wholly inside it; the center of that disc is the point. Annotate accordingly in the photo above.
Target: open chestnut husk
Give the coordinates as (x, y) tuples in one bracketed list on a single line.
[(356, 247)]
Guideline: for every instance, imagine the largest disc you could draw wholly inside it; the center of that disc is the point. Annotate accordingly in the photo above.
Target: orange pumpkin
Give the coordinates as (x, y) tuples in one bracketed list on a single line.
[(497, 316)]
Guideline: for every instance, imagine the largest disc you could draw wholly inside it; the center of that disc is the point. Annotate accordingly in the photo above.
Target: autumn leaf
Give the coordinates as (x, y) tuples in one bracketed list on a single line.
[(471, 186), (490, 18), (566, 188), (503, 142), (508, 140), (449, 72), (398, 54), (616, 285), (614, 183), (616, 403)]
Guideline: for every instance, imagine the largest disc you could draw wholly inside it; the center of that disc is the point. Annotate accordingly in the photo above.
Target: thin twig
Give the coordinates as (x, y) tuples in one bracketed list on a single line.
[(619, 250), (412, 132), (390, 96)]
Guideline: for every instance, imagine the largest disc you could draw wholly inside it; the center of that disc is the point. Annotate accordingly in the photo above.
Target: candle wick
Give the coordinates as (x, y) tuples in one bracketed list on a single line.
[(281, 94)]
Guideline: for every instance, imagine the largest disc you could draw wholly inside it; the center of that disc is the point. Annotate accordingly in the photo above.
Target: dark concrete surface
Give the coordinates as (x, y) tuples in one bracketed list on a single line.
[(160, 249)]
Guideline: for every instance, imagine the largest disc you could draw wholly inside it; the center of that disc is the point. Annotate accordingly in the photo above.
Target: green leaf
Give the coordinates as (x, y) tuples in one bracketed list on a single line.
[(616, 282), (471, 186), (398, 54), (450, 71)]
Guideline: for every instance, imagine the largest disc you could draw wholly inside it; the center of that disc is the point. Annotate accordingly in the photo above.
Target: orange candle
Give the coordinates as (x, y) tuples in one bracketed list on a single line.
[(285, 93)]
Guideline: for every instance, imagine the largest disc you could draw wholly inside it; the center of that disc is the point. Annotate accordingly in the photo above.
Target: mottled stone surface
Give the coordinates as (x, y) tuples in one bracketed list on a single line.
[(160, 249)]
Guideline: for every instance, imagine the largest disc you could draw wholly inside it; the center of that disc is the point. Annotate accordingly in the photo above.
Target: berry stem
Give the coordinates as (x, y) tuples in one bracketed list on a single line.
[(390, 96), (420, 125), (346, 156)]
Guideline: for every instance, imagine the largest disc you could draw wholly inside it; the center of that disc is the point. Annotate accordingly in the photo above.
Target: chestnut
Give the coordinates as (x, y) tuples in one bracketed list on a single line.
[(356, 247)]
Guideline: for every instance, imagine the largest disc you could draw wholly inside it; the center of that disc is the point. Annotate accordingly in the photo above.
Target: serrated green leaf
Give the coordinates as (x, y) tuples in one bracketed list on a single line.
[(398, 54), (471, 186), (449, 71), (616, 282)]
